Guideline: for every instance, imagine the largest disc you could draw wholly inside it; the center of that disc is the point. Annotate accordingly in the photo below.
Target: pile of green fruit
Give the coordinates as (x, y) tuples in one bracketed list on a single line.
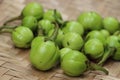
[(77, 46)]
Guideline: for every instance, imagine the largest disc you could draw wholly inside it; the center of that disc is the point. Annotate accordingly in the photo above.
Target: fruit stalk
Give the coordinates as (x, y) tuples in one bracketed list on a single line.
[(97, 67), (58, 20), (55, 33), (7, 29), (40, 31), (107, 54), (12, 19)]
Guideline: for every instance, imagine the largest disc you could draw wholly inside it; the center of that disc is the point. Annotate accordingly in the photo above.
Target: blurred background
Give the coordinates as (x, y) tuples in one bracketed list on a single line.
[(70, 9)]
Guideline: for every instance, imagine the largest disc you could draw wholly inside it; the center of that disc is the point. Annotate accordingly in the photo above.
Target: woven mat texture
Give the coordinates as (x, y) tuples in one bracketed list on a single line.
[(14, 62)]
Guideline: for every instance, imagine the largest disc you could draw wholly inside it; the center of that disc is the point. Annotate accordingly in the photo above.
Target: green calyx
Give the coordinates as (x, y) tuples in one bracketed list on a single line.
[(112, 44), (45, 25), (53, 16)]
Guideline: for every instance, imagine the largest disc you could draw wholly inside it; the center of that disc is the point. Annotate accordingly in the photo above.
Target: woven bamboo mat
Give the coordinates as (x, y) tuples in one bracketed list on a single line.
[(14, 62)]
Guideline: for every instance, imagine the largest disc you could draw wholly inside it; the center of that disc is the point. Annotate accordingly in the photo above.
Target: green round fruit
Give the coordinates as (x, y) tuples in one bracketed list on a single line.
[(64, 51), (30, 22), (73, 26), (37, 40), (96, 35), (74, 63), (45, 55), (94, 48), (22, 37), (105, 33), (111, 24), (33, 9), (72, 40), (90, 20)]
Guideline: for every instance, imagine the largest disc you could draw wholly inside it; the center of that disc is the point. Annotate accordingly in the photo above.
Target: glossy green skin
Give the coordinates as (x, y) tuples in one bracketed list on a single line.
[(75, 55), (59, 37), (33, 9), (105, 33), (96, 35), (90, 20), (45, 55), (94, 48), (111, 24), (74, 63), (73, 41), (113, 41), (22, 37), (63, 52), (73, 26), (116, 55), (30, 22), (37, 40), (46, 25), (49, 15)]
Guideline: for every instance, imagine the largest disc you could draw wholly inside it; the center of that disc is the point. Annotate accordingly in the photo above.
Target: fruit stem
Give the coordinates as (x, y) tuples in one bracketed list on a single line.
[(108, 52), (55, 33), (7, 27), (117, 33), (64, 23), (40, 31), (94, 66), (58, 20), (12, 19), (6, 31)]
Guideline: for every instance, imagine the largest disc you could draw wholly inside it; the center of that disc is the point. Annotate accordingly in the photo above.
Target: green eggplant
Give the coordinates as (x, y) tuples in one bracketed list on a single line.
[(44, 55), (22, 37), (44, 52)]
